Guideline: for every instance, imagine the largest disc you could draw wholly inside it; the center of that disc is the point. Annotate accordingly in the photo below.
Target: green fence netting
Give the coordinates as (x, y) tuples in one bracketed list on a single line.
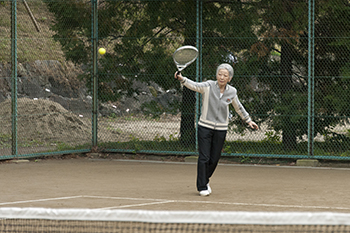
[(291, 69)]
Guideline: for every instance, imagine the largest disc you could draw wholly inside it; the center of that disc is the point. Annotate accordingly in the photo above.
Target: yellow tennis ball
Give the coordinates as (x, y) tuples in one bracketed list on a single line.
[(102, 51)]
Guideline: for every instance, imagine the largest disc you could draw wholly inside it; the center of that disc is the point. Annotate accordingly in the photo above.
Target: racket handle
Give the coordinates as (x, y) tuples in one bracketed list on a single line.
[(177, 73)]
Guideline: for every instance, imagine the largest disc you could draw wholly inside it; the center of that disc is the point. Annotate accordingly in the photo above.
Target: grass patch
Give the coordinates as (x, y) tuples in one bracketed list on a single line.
[(31, 44), (5, 141), (136, 145), (236, 148)]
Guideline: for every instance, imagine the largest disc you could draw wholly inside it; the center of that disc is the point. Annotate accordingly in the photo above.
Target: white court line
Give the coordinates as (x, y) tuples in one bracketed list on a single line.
[(125, 198), (127, 206), (162, 201), (165, 201), (40, 200)]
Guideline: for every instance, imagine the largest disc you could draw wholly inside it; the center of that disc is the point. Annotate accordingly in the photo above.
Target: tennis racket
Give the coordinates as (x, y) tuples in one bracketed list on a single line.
[(184, 56)]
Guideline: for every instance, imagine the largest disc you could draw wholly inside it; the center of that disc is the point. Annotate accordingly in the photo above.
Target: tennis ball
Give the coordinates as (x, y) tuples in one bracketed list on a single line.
[(102, 51)]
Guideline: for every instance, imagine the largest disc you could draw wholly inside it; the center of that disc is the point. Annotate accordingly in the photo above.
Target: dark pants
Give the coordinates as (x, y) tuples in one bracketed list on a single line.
[(210, 143)]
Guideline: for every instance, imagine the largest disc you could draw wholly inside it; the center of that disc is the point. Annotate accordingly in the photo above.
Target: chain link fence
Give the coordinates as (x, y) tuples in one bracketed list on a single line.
[(69, 98)]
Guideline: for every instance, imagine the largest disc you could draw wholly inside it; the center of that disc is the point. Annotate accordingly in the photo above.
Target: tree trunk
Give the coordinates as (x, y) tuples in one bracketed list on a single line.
[(288, 130), (187, 128)]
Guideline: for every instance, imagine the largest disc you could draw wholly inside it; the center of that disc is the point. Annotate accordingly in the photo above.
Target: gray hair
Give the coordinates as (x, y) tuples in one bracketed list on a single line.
[(226, 66)]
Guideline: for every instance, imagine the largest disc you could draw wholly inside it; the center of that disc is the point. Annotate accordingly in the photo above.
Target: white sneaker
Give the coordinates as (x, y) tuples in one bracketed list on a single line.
[(209, 189), (204, 193)]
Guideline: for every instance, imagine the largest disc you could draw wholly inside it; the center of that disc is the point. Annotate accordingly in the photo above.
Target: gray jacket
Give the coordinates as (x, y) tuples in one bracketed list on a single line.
[(215, 110)]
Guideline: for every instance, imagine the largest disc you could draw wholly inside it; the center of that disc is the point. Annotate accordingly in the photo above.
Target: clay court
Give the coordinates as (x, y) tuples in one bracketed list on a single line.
[(156, 185)]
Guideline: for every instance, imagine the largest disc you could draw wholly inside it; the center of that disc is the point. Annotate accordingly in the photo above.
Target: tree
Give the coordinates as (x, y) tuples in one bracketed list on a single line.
[(269, 37), (144, 34), (284, 28)]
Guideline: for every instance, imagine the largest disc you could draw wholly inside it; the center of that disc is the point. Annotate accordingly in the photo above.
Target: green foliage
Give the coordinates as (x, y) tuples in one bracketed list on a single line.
[(5, 140), (345, 154), (245, 159), (156, 109), (61, 146), (135, 144), (141, 36), (269, 37), (172, 138), (159, 138), (227, 149), (244, 150), (29, 48), (284, 30), (272, 137)]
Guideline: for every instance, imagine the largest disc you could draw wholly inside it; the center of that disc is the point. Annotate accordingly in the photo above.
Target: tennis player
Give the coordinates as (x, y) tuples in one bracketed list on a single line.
[(214, 119)]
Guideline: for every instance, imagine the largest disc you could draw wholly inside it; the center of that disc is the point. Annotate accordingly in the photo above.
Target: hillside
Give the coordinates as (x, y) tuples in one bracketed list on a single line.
[(31, 44)]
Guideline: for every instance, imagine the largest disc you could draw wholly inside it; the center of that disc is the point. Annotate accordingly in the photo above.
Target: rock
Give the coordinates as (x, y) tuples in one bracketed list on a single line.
[(59, 83)]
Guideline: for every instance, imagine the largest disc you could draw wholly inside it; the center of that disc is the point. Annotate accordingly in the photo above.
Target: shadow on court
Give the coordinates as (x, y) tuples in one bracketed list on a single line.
[(121, 184)]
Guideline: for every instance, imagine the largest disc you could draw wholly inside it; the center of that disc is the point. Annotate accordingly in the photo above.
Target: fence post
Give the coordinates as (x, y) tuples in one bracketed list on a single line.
[(199, 11), (14, 75), (94, 40), (311, 77)]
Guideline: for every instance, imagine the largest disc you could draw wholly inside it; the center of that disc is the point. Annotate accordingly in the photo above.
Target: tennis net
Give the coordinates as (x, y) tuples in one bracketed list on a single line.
[(144, 221)]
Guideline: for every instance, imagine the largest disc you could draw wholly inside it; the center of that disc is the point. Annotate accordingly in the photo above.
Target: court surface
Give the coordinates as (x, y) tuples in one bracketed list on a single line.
[(152, 185)]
